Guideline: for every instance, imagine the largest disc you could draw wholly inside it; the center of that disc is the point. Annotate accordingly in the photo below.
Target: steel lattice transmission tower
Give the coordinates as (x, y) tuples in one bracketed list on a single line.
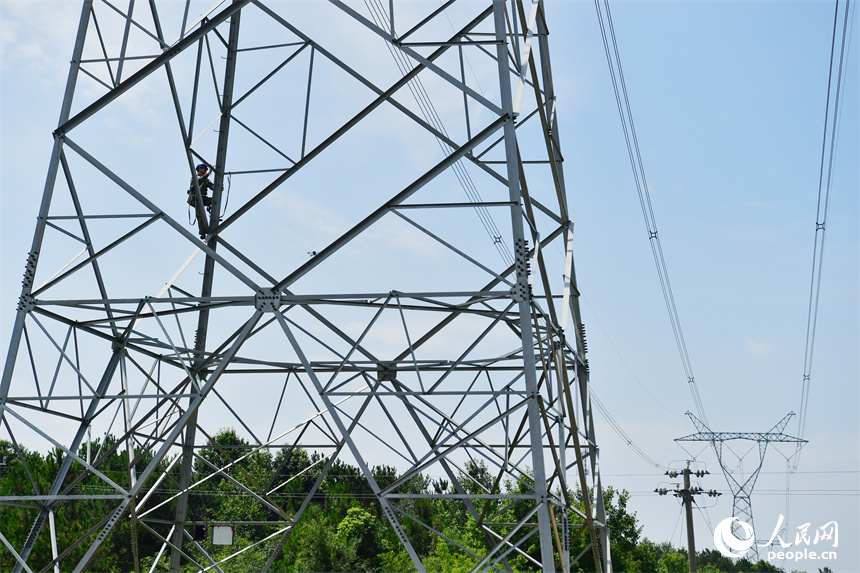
[(378, 279), (741, 485)]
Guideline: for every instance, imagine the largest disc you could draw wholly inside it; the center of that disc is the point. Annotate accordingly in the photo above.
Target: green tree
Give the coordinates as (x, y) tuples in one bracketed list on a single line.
[(675, 561)]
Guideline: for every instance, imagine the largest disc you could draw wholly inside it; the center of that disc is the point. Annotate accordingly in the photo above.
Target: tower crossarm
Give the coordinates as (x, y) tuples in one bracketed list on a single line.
[(751, 436)]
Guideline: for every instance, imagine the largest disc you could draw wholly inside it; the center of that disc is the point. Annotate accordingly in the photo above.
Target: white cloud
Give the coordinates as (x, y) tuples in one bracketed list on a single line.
[(32, 34), (758, 348)]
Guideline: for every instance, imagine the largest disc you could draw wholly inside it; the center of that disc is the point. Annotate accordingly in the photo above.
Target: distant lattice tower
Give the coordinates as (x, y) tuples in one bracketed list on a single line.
[(376, 281), (741, 485)]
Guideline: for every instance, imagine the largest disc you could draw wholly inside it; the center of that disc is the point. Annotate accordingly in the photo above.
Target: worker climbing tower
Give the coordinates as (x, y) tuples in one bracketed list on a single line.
[(379, 282)]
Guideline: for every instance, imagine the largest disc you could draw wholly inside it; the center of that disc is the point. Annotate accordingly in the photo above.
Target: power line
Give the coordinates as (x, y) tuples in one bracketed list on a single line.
[(620, 431), (613, 59), (428, 110), (828, 157)]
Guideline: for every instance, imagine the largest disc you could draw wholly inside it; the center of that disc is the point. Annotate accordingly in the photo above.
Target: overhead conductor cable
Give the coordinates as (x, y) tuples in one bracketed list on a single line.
[(616, 73)]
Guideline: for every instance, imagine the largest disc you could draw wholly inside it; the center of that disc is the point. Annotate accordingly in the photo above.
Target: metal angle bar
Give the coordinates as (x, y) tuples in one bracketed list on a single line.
[(549, 124), (165, 543), (104, 49), (265, 78), (176, 351), (524, 307), (278, 408), (68, 234), (526, 56), (197, 545), (468, 392), (20, 455), (62, 353), (32, 362), (171, 437), (86, 234), (168, 543), (353, 448), (515, 547), (418, 57), (373, 434), (434, 442), (161, 215), (409, 344), (18, 558), (192, 114), (44, 207), (396, 427), (398, 39), (111, 397), (256, 171), (471, 347), (308, 101), (449, 205), (214, 76), (506, 541), (357, 344), (59, 414), (450, 246), (270, 46), (385, 96), (235, 415), (440, 454), (261, 138), (126, 58), (91, 75), (298, 475), (490, 496), (449, 44), (148, 69), (433, 331), (440, 167), (216, 522), (160, 41), (96, 255), (81, 216), (68, 452), (124, 46), (520, 122), (155, 485), (240, 485), (249, 547), (303, 506), (438, 533), (7, 498)]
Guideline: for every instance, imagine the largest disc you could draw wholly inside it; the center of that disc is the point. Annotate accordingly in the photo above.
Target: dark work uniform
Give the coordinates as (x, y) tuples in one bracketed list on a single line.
[(204, 185)]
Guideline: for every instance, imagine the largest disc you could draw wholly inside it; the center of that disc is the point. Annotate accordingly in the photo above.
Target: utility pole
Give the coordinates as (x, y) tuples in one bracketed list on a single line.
[(686, 496)]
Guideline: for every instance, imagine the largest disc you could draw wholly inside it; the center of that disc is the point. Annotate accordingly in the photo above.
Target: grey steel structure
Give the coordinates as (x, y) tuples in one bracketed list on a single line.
[(740, 485), (348, 298)]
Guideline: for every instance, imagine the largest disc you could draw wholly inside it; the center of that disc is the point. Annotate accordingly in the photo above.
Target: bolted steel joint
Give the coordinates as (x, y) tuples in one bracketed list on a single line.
[(26, 303), (521, 292), (267, 301), (30, 269)]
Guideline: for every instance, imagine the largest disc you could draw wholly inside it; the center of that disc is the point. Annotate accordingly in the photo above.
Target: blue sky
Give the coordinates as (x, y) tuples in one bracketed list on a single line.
[(728, 100)]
